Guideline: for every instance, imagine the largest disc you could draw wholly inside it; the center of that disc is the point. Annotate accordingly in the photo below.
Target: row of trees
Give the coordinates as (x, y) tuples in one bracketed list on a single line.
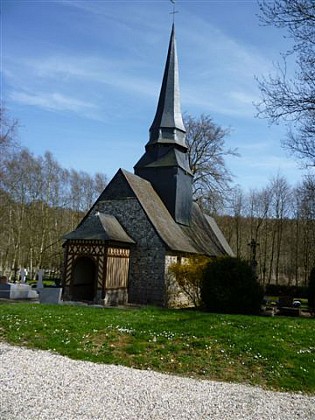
[(277, 223), (39, 202)]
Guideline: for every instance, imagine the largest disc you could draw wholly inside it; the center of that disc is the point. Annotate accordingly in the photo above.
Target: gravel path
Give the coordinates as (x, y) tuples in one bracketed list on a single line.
[(41, 385)]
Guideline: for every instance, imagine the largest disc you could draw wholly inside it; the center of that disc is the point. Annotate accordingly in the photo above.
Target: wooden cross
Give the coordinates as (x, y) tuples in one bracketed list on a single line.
[(253, 247)]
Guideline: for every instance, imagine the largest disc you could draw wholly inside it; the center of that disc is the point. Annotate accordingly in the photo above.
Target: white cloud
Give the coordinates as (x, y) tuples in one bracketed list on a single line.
[(53, 101), (229, 103), (244, 98), (72, 69), (218, 71)]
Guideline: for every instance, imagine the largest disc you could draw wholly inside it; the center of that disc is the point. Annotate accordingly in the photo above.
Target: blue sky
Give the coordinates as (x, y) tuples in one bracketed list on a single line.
[(83, 79)]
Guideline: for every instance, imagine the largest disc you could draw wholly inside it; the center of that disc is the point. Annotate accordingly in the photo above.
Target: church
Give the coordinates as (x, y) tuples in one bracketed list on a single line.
[(143, 221)]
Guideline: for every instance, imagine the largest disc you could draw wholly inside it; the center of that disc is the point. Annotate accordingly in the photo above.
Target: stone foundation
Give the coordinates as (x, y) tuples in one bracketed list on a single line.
[(116, 297)]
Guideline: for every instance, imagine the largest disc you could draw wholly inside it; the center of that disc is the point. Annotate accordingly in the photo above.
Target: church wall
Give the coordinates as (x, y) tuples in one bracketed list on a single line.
[(147, 258), (175, 297)]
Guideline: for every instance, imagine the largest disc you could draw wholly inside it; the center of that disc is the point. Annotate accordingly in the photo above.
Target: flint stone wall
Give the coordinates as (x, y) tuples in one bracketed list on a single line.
[(146, 283)]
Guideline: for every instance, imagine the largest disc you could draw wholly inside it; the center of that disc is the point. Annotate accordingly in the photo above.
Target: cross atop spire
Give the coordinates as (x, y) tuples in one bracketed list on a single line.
[(174, 11), (168, 126)]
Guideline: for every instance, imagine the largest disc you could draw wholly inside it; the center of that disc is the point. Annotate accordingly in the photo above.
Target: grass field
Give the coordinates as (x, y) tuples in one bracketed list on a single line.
[(276, 353)]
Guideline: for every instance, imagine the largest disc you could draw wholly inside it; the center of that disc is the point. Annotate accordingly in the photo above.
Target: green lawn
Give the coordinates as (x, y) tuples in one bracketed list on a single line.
[(274, 352)]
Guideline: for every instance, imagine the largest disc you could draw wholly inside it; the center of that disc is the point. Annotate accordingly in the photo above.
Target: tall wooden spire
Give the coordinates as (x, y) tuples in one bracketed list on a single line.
[(165, 162), (168, 126)]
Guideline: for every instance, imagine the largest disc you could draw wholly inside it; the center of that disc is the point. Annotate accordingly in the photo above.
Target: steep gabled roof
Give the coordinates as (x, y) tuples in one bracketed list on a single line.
[(223, 243), (103, 227), (203, 236)]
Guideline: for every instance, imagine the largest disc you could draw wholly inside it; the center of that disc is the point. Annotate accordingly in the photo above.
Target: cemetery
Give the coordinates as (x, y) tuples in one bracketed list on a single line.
[(22, 291)]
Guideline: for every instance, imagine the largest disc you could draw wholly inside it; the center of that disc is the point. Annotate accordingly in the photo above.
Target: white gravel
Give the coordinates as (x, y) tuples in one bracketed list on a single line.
[(41, 385)]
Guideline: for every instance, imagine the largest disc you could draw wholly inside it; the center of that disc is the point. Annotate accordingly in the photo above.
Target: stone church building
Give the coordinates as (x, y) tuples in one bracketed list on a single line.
[(144, 221)]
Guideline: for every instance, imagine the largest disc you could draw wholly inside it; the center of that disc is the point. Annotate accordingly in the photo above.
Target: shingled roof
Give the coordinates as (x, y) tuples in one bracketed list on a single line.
[(203, 236), (103, 227), (167, 229)]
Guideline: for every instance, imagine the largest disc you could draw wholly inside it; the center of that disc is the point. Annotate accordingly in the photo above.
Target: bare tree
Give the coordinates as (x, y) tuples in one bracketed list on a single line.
[(207, 153), (8, 136), (292, 98), (237, 203), (100, 182), (281, 202), (306, 192), (8, 128)]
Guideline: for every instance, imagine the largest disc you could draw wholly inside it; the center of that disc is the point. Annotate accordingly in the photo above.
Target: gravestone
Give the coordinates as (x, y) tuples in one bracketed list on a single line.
[(40, 275), (23, 275), (4, 288), (50, 295)]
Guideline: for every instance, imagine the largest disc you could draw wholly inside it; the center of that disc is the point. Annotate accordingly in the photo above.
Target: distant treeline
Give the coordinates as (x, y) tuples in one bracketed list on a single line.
[(281, 221), (40, 202)]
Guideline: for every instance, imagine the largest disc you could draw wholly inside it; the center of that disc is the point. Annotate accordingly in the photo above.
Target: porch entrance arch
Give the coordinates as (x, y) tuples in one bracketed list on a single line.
[(84, 279)]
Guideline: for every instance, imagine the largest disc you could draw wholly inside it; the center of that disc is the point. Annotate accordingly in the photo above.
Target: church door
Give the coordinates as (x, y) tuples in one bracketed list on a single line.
[(84, 279)]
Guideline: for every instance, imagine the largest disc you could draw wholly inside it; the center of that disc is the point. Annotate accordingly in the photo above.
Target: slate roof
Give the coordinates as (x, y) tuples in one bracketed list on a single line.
[(168, 113), (206, 234), (167, 229), (203, 236), (171, 158), (103, 227)]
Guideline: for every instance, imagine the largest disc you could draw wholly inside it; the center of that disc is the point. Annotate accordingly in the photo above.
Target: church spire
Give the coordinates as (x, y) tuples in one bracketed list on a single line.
[(165, 161), (168, 126)]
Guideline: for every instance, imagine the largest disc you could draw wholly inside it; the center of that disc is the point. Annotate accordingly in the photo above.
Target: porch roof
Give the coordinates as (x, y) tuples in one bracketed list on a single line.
[(102, 227)]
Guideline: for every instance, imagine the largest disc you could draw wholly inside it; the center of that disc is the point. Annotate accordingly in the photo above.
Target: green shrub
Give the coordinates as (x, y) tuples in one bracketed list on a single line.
[(189, 275), (311, 290), (229, 285)]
